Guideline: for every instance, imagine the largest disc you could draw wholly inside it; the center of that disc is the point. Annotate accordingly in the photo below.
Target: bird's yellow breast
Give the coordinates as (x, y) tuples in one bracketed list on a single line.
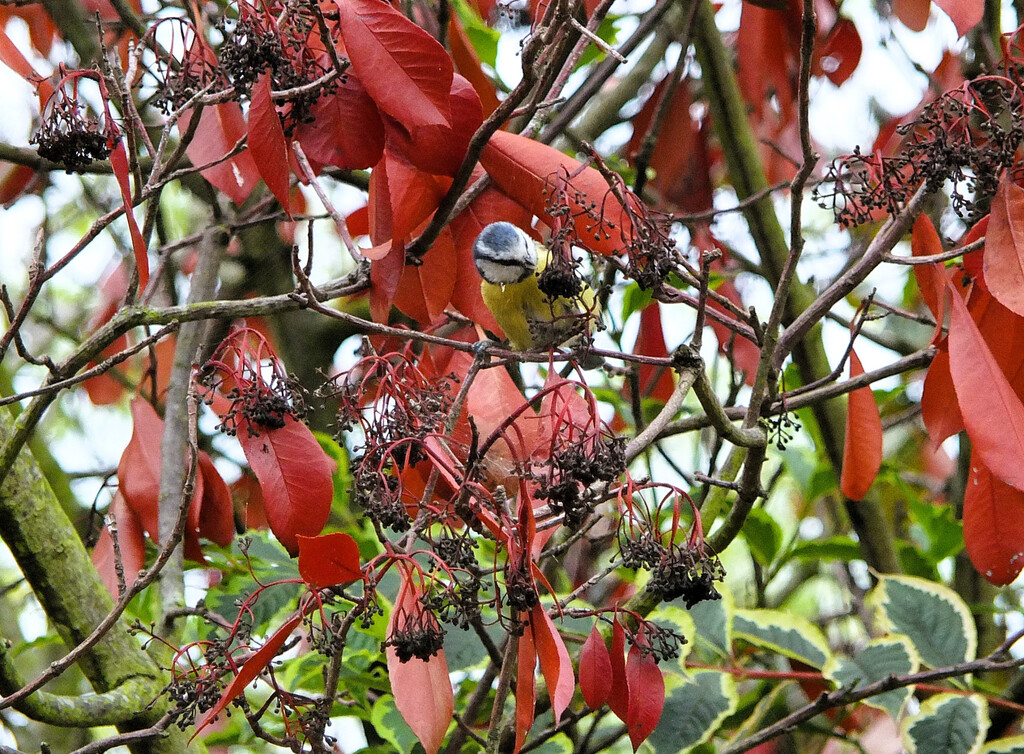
[(531, 320)]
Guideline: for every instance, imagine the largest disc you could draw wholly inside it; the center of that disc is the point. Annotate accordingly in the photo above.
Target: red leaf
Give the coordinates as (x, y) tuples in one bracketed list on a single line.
[(526, 170), (1004, 246), (220, 128), (11, 56), (329, 559), (965, 14), (217, 510), (554, 660), (130, 541), (246, 490), (768, 44), (346, 130), (991, 410), (925, 241), (267, 143), (646, 694), (406, 72), (425, 290), (119, 164), (993, 525), (422, 689), (595, 670), (618, 691), (468, 64), (680, 158), (441, 149), (862, 452), (413, 194), (105, 389), (837, 57), (14, 179), (939, 409), (138, 475), (250, 670), (745, 354), (913, 13), (526, 687), (974, 261), (295, 476), (655, 382), (138, 472)]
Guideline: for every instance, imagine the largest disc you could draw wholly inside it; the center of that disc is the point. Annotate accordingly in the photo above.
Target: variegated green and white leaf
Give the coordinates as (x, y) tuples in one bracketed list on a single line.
[(713, 623), (881, 658), (947, 723), (791, 635), (1014, 745), (693, 711), (933, 616)]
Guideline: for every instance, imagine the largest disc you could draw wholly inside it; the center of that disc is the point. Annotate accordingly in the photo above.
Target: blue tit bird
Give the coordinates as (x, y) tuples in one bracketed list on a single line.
[(510, 263)]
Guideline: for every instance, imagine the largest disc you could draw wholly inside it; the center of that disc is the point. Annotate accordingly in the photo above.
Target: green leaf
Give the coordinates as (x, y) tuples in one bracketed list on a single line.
[(608, 32), (935, 530), (878, 660), (483, 38), (932, 615), (791, 635), (947, 723), (634, 298), (831, 548), (712, 621), (913, 562), (693, 711), (1014, 745), (463, 650), (763, 535)]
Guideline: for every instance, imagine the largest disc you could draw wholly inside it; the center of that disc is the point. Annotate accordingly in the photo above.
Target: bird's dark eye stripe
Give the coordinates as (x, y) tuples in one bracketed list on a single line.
[(502, 261)]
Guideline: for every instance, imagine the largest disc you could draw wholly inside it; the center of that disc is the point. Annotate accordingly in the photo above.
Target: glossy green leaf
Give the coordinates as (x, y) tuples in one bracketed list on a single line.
[(936, 530), (785, 633), (934, 617), (831, 548), (693, 711), (875, 662), (947, 723), (763, 535)]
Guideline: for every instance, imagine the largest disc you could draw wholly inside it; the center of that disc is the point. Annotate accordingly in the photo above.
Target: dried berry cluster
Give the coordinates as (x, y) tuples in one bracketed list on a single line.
[(457, 602), (661, 642), (69, 136), (419, 636), (646, 236), (574, 468), (520, 589), (261, 404), (397, 409), (197, 70), (258, 43), (269, 39), (782, 428), (677, 571), (191, 697), (967, 137)]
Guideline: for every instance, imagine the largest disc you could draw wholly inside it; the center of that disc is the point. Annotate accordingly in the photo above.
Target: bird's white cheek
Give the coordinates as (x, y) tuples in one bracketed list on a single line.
[(500, 274)]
